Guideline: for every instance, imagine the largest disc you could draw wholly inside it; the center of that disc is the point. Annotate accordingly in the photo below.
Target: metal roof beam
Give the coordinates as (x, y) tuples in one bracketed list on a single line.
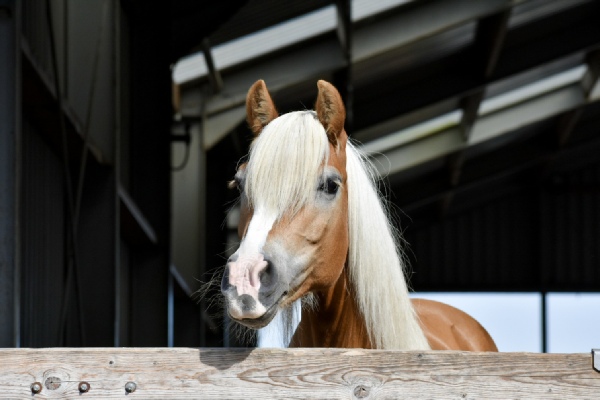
[(344, 81), (219, 125), (419, 23), (522, 163), (591, 84), (315, 59), (300, 65), (569, 120), (489, 37), (566, 126), (214, 76), (491, 126)]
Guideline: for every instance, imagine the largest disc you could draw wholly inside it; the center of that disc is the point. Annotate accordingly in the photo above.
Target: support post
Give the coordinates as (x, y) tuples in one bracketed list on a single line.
[(9, 174)]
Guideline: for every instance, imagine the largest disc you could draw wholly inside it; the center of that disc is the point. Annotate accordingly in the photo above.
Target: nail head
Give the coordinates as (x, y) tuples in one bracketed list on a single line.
[(130, 387), (36, 387), (84, 387)]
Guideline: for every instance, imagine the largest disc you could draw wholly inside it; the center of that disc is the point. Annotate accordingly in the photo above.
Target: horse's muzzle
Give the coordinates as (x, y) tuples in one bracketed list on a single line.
[(248, 285)]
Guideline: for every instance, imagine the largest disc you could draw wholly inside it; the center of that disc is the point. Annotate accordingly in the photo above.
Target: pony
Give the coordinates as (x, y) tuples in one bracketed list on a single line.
[(313, 226)]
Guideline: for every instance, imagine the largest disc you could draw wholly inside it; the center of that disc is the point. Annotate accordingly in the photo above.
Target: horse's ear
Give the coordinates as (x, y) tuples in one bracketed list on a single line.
[(330, 110), (260, 109)]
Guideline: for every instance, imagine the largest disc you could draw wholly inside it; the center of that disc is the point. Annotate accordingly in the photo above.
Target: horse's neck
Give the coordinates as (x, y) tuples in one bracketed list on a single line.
[(335, 321)]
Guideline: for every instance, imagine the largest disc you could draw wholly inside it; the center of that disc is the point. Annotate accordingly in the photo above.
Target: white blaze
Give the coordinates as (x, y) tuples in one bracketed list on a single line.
[(244, 271)]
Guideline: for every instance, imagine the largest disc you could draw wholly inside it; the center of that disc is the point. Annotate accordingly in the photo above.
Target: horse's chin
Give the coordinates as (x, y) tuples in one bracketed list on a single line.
[(260, 322)]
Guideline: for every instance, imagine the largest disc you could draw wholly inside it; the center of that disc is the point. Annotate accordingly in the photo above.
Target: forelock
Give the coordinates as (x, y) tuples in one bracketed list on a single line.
[(285, 163)]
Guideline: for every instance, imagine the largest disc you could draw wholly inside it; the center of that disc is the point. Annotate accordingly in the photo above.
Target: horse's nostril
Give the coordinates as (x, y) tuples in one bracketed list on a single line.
[(247, 302), (266, 275)]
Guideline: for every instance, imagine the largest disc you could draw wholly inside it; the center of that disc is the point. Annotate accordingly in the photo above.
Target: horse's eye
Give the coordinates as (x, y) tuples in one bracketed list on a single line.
[(329, 186)]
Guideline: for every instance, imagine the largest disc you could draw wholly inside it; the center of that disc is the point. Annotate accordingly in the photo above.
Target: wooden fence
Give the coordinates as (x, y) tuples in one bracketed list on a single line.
[(185, 373)]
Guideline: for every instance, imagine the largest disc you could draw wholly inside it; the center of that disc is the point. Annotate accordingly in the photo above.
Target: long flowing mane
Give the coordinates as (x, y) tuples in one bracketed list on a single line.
[(376, 263), (280, 180)]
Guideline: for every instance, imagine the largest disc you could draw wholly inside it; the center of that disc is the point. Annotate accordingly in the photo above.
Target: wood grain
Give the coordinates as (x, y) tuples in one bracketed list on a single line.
[(184, 373)]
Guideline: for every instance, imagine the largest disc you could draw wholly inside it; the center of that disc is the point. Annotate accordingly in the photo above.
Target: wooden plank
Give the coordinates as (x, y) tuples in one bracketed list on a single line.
[(179, 373)]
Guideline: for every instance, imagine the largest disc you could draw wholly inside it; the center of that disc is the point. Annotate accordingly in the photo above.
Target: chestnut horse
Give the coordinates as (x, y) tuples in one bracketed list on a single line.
[(313, 225)]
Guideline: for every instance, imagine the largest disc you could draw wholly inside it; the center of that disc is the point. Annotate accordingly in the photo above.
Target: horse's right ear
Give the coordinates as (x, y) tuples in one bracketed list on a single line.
[(260, 109)]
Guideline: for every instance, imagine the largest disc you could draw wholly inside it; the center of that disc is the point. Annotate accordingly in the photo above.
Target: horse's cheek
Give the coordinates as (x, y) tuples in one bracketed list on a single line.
[(245, 217), (334, 247)]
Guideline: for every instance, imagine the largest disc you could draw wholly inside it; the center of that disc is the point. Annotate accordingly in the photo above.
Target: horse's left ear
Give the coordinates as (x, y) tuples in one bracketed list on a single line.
[(330, 110)]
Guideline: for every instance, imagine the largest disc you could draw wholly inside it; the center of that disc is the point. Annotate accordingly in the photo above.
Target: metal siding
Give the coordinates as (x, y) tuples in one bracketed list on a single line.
[(571, 256), (9, 173), (36, 35), (90, 53), (544, 238), (487, 248), (43, 238)]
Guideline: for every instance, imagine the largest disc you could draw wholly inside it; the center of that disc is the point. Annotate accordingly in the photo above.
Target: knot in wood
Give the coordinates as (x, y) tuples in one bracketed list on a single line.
[(53, 383), (361, 391)]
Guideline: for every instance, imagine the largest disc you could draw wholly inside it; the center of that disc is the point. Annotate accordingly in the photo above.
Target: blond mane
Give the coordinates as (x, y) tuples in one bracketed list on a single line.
[(282, 174), (285, 162), (376, 262)]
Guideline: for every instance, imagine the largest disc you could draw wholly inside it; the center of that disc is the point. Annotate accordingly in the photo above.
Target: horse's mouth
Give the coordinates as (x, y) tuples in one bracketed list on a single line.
[(263, 320)]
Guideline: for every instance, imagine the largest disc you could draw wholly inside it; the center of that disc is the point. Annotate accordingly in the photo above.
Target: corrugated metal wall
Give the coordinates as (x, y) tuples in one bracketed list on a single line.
[(570, 231), (537, 238), (105, 284), (34, 27), (43, 241)]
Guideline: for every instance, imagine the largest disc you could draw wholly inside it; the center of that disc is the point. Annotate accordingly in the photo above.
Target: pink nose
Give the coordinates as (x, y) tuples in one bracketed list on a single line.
[(241, 285), (245, 274)]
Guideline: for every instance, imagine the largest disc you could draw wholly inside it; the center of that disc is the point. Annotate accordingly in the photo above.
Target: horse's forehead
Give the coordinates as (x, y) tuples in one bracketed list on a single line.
[(337, 158)]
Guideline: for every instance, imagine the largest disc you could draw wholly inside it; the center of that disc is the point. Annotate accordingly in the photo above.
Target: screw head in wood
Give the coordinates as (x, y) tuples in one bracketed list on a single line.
[(36, 387), (130, 387), (84, 387)]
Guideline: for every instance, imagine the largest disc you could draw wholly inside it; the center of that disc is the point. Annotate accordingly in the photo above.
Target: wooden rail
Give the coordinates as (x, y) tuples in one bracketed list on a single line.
[(182, 373)]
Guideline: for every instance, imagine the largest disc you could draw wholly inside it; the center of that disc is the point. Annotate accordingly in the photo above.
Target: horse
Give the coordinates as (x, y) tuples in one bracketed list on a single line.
[(313, 226)]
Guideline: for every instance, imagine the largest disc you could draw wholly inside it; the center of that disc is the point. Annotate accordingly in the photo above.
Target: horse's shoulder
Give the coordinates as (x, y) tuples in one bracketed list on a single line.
[(448, 328)]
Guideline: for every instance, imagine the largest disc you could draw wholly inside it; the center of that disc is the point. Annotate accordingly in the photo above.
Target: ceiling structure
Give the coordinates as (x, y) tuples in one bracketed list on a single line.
[(457, 101)]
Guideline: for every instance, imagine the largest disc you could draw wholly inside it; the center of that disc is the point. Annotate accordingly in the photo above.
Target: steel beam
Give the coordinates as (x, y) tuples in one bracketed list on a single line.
[(9, 174), (489, 40), (214, 76), (344, 77), (487, 128), (418, 23), (489, 37), (219, 125), (536, 109), (324, 56), (591, 80)]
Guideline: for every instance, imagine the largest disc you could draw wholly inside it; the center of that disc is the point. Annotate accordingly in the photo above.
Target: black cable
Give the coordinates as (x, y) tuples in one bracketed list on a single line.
[(186, 158), (185, 138), (72, 258)]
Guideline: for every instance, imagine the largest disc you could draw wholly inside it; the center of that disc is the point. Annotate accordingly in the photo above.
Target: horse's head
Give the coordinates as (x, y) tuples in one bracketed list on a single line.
[(294, 205)]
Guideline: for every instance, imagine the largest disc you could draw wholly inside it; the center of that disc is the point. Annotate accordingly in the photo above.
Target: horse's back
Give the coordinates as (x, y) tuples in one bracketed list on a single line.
[(448, 328)]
